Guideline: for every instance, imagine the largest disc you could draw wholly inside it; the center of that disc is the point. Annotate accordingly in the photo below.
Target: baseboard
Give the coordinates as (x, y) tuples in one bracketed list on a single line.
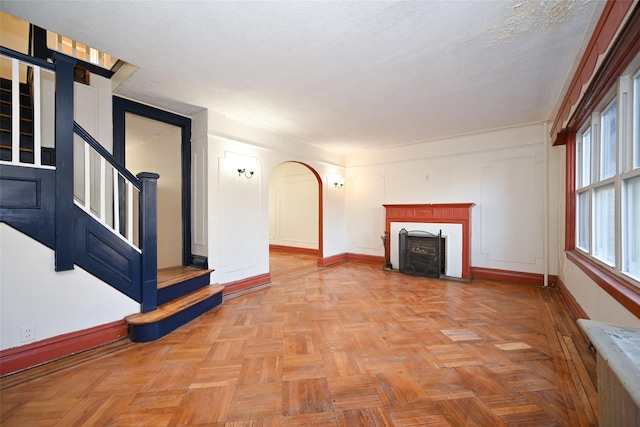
[(351, 257), (511, 276), (572, 304), (246, 283), (30, 355), (293, 250), (334, 259), (199, 261), (366, 259)]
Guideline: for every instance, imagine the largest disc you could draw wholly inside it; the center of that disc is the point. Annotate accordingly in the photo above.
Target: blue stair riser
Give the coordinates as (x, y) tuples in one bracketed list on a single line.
[(153, 331), (183, 288)]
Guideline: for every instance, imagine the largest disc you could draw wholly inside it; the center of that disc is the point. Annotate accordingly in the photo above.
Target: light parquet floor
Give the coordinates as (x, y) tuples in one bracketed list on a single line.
[(349, 345)]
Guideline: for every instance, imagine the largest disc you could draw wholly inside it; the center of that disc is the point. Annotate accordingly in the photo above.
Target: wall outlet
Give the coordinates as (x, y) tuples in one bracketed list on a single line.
[(27, 333)]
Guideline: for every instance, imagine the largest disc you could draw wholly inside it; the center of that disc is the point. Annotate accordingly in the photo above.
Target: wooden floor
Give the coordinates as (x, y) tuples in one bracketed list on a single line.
[(349, 345)]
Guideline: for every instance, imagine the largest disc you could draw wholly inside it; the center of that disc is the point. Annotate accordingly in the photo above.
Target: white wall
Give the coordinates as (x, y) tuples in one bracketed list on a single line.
[(238, 208), (162, 155), (293, 206), (501, 171), (93, 111), (33, 294)]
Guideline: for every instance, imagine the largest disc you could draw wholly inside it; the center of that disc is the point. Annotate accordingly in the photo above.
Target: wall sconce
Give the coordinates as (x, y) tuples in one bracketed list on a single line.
[(338, 181), (247, 175)]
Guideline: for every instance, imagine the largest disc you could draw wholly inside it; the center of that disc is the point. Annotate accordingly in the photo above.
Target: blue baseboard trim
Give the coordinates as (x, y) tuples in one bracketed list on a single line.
[(183, 288)]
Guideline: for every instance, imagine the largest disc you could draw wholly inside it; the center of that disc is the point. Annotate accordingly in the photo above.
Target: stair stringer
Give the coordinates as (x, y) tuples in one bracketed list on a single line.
[(106, 256)]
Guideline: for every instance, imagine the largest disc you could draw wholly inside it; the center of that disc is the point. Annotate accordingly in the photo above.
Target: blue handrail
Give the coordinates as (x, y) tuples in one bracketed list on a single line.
[(26, 58), (104, 153)]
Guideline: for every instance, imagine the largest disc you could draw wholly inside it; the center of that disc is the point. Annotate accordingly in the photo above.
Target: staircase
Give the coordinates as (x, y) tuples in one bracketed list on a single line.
[(184, 293), (97, 237), (25, 123)]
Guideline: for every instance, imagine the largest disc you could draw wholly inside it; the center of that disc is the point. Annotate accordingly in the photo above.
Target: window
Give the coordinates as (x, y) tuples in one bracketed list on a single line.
[(583, 168), (608, 143), (607, 183), (636, 124), (631, 232)]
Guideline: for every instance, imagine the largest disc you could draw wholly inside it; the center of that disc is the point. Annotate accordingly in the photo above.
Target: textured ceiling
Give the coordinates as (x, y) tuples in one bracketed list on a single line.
[(347, 76)]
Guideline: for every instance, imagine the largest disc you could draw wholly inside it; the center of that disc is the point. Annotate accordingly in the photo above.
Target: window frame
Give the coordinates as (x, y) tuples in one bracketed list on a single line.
[(623, 54)]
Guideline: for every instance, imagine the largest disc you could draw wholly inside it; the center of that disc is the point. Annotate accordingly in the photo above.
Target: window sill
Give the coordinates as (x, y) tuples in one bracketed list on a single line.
[(623, 291)]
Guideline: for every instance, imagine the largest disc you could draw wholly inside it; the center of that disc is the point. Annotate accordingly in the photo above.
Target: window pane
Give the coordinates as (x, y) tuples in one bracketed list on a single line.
[(604, 224), (583, 221), (631, 227), (636, 125), (608, 143), (584, 159)]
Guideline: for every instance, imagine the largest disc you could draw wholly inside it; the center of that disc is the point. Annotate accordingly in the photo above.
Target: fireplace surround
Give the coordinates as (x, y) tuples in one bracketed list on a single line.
[(446, 213)]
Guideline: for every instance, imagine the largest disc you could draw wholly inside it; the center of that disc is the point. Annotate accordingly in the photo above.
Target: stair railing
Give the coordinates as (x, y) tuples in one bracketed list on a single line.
[(118, 188), (103, 174), (38, 67), (108, 189)]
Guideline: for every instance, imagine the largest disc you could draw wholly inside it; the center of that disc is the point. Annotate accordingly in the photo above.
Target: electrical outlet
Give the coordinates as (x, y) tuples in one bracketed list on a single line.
[(27, 333)]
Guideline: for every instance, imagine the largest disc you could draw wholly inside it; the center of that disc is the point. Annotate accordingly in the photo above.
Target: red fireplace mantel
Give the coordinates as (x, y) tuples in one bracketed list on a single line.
[(447, 213)]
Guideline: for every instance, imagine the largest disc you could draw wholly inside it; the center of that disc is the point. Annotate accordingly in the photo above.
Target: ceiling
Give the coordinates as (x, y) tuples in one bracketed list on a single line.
[(346, 76)]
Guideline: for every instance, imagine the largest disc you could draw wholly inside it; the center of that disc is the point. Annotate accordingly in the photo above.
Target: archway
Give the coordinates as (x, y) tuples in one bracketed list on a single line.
[(295, 210)]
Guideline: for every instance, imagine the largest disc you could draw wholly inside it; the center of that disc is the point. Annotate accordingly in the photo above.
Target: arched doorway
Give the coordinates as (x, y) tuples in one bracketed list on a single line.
[(295, 211)]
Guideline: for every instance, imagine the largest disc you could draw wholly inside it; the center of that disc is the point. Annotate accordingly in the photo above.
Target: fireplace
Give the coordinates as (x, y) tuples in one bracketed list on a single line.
[(422, 253), (453, 218)]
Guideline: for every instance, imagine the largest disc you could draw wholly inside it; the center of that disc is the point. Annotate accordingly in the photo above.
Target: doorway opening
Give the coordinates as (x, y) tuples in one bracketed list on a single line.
[(160, 141), (155, 146), (295, 219)]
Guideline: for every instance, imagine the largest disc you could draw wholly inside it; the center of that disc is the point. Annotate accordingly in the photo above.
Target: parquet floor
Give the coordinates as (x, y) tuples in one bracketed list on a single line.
[(349, 345)]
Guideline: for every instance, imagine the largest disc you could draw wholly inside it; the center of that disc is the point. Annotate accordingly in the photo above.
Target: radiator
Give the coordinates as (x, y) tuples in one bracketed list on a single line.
[(618, 361)]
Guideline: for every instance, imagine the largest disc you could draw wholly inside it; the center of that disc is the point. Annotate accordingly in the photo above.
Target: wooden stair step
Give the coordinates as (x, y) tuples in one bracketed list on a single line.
[(172, 275), (155, 324), (169, 309)]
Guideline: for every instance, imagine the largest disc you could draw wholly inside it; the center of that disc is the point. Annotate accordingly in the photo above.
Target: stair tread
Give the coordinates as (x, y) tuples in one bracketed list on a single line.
[(169, 309), (172, 275)]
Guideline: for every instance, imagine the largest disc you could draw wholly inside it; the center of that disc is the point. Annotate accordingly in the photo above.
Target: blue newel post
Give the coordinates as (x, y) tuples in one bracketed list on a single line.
[(65, 251), (148, 218)]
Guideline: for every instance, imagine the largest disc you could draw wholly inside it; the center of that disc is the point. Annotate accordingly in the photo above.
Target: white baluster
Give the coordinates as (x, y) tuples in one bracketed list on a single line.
[(116, 202), (130, 212), (37, 141), (103, 190), (87, 178)]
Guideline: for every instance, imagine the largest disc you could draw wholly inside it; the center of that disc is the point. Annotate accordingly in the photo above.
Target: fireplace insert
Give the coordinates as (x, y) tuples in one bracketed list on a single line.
[(422, 253)]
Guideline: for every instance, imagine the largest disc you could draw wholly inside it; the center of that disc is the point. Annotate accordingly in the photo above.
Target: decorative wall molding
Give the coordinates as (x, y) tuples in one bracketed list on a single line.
[(511, 207), (30, 355), (613, 16)]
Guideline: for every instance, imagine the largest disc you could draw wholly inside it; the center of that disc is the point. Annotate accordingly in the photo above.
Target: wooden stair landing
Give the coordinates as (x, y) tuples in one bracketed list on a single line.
[(184, 293)]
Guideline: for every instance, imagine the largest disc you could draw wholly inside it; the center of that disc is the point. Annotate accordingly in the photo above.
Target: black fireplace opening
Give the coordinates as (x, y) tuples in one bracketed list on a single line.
[(422, 253)]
